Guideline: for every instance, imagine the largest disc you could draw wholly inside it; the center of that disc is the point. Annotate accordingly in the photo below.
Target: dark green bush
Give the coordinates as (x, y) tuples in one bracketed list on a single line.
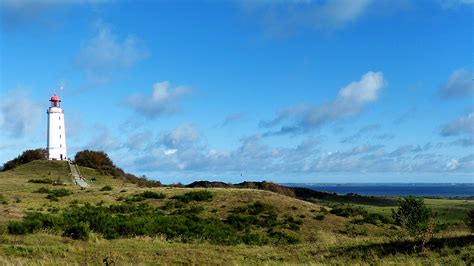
[(253, 224), (319, 216), (203, 195), (470, 219), (241, 221), (26, 157), (53, 193), (41, 181), (17, 228), (78, 231), (347, 211), (42, 190), (151, 195), (106, 188), (284, 238), (142, 196), (413, 215)]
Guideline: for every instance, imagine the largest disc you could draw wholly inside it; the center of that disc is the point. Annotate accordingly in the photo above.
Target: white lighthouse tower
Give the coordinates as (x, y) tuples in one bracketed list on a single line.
[(56, 130)]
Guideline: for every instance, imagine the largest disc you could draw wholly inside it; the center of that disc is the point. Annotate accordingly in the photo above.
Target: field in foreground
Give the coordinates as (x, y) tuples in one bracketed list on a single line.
[(283, 229)]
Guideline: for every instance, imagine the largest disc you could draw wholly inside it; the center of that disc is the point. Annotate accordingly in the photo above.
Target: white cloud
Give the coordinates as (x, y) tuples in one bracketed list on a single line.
[(452, 164), (458, 85), (255, 157), (183, 135), (19, 114), (164, 100), (349, 102), (105, 54)]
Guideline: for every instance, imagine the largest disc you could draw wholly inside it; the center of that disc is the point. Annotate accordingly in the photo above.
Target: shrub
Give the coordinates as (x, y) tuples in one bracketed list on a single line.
[(152, 195), (470, 219), (53, 194), (194, 196), (52, 197), (62, 192), (106, 188), (241, 221), (413, 215), (130, 220), (42, 190), (78, 231), (283, 237), (17, 228), (41, 181), (26, 157), (142, 196), (348, 211), (319, 216)]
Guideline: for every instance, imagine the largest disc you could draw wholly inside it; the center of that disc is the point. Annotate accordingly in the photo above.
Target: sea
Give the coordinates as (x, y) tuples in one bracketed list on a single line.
[(395, 189)]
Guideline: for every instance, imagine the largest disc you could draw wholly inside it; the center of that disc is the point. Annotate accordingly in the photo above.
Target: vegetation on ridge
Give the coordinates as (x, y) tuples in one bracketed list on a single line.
[(26, 157), (100, 161)]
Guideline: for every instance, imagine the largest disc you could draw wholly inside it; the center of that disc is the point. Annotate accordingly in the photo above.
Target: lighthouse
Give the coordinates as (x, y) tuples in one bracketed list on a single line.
[(56, 130)]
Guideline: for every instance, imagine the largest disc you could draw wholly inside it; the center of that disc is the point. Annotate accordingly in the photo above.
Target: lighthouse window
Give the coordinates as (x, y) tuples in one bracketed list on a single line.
[(59, 136), (59, 118), (60, 145), (59, 127)]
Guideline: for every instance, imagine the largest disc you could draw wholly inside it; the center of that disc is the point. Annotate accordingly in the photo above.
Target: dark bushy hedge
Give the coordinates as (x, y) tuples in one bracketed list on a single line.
[(26, 157)]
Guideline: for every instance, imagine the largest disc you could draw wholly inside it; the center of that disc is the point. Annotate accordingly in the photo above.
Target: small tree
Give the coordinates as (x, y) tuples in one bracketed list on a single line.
[(470, 219), (415, 217)]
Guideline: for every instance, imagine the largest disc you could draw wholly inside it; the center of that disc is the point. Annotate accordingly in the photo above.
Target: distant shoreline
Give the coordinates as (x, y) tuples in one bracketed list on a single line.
[(463, 190)]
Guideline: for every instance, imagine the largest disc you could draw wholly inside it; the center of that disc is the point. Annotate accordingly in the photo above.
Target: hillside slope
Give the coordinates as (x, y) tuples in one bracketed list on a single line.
[(311, 234)]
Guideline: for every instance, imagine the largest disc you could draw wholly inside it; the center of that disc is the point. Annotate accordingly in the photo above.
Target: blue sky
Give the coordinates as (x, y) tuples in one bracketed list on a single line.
[(287, 91)]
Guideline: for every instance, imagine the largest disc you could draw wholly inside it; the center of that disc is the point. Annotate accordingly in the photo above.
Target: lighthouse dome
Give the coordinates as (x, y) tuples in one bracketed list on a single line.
[(55, 98)]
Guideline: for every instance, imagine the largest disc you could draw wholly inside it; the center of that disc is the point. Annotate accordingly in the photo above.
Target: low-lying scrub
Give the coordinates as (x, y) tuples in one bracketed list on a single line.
[(53, 194), (194, 196), (348, 211), (41, 181), (184, 224), (142, 196), (106, 188)]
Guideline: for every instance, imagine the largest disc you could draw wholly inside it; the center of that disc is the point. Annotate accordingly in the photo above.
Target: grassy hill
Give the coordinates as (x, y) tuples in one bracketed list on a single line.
[(235, 225)]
